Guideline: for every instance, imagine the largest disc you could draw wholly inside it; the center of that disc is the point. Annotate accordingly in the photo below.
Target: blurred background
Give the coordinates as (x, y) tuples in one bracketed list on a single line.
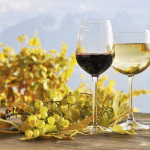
[(57, 21)]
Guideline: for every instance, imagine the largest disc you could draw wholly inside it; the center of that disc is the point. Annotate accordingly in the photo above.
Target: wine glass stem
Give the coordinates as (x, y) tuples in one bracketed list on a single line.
[(94, 86), (131, 117)]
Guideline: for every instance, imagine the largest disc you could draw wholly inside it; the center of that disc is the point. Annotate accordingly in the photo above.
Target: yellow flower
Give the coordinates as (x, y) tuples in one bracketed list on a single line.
[(2, 44), (112, 82), (104, 77), (136, 109), (82, 76), (20, 39)]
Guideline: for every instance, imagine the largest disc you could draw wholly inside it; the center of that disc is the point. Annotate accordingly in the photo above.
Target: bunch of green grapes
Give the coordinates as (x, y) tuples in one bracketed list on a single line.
[(105, 113), (49, 115), (58, 111)]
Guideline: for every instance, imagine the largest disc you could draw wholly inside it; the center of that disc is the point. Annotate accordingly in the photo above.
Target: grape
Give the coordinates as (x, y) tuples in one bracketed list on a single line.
[(32, 103), (106, 121), (45, 104), (27, 120), (25, 126), (107, 103), (36, 132), (84, 107), (61, 120), (56, 117), (65, 123), (105, 115), (38, 116), (64, 102), (32, 117), (87, 103), (66, 89), (55, 105), (51, 107), (38, 104), (51, 120), (36, 111), (68, 114), (90, 110), (82, 116), (79, 107), (71, 99), (86, 112), (30, 109), (21, 105), (44, 108), (76, 94), (32, 123), (21, 111), (42, 131), (53, 94), (90, 99), (111, 119), (28, 133), (40, 124), (25, 108), (43, 115), (76, 102), (46, 94), (99, 105), (75, 113), (23, 118), (104, 118), (50, 128), (100, 118)]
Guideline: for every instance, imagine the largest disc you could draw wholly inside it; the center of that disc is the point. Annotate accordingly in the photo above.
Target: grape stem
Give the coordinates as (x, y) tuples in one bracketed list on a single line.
[(86, 93)]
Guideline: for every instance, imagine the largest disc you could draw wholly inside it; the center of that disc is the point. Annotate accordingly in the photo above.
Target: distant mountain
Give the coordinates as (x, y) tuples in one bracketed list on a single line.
[(51, 32)]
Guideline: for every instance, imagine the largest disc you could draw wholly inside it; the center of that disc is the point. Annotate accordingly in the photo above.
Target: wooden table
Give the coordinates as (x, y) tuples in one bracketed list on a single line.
[(104, 141)]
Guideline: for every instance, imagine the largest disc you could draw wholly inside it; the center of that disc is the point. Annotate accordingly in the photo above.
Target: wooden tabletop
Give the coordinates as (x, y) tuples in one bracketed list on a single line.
[(104, 141)]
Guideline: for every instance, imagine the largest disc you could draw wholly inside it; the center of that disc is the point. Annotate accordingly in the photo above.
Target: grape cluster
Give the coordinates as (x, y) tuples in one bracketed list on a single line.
[(105, 113), (40, 117), (50, 115)]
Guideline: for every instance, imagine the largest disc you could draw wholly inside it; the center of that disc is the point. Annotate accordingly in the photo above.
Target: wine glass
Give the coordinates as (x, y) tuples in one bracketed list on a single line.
[(132, 53), (94, 55)]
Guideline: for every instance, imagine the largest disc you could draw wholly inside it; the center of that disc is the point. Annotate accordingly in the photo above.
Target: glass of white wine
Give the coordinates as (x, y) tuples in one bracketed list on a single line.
[(132, 53)]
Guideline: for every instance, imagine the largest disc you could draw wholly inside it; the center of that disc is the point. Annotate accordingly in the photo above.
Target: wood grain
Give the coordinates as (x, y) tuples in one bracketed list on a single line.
[(104, 141)]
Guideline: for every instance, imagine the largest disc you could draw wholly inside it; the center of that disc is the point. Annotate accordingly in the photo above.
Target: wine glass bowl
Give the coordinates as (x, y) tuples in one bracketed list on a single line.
[(132, 53), (94, 54), (94, 46)]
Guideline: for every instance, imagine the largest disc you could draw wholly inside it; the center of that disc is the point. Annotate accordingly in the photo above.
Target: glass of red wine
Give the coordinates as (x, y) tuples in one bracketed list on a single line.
[(94, 54)]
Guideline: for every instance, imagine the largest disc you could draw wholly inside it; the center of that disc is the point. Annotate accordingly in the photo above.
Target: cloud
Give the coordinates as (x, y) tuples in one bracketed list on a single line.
[(14, 11), (14, 5)]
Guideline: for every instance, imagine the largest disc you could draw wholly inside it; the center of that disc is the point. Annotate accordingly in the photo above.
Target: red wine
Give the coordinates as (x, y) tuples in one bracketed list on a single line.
[(94, 64)]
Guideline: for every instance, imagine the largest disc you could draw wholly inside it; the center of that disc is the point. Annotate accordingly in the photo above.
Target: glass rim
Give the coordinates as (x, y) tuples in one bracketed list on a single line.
[(94, 21), (131, 30)]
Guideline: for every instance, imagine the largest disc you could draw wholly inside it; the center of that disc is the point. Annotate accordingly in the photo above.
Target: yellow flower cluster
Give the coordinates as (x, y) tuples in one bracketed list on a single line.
[(33, 71)]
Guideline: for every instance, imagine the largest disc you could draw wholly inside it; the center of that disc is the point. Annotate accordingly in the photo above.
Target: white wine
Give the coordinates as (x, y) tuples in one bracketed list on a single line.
[(131, 59)]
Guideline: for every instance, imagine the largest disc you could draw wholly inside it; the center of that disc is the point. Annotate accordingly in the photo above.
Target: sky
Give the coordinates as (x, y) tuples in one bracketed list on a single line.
[(14, 11), (123, 14)]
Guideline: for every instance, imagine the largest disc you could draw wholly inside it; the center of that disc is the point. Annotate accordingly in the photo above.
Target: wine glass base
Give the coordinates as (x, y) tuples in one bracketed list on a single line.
[(131, 124), (96, 129)]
